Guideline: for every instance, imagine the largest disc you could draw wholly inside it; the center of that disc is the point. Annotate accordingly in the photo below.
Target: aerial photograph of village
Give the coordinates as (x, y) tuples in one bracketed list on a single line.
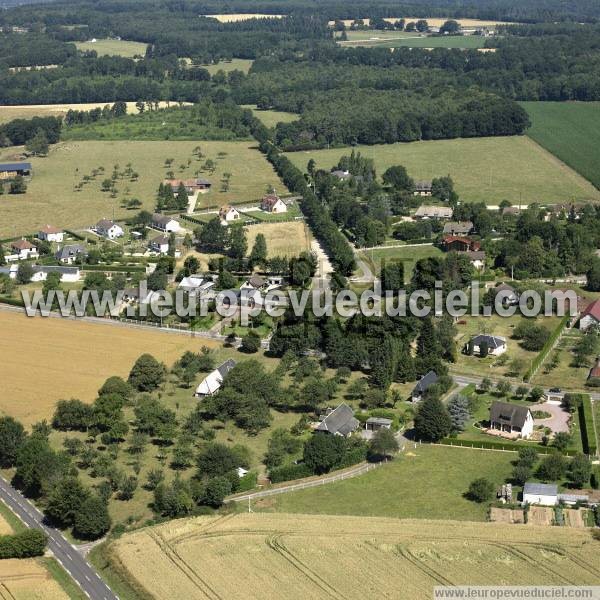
[(299, 299)]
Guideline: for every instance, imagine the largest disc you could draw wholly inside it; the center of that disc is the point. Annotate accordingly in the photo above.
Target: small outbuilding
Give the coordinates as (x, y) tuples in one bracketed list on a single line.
[(545, 494), (213, 381)]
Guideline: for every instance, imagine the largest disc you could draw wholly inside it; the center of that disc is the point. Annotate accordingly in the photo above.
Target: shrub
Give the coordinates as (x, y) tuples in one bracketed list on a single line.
[(28, 543), (481, 490), (289, 472)]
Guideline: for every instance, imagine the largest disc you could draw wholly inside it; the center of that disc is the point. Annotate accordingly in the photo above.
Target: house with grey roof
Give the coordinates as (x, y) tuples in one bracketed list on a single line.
[(165, 223), (458, 228), (540, 493), (423, 385), (511, 419), (494, 344), (339, 421), (423, 188), (67, 274), (71, 253)]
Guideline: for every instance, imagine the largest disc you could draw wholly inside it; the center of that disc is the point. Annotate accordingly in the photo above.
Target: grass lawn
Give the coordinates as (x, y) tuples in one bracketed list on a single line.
[(409, 254), (492, 366), (236, 64), (235, 17), (483, 169), (283, 239), (571, 131), (424, 482), (114, 48), (51, 196), (270, 118)]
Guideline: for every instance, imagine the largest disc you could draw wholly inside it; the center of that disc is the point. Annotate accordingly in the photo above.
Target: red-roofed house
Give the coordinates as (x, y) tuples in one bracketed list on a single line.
[(24, 249), (590, 316), (595, 370), (457, 243), (273, 204), (191, 185), (51, 234)]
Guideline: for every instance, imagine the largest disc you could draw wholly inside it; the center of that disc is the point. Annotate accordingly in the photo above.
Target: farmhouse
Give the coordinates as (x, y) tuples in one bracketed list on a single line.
[(160, 244), (11, 170), (476, 258), (423, 385), (191, 185), (255, 282), (69, 254), (212, 382), (422, 188), (495, 345), (339, 421), (511, 419), (228, 214), (458, 228), (23, 249), (109, 229), (540, 493), (590, 316), (273, 204), (433, 212), (51, 234), (165, 223)]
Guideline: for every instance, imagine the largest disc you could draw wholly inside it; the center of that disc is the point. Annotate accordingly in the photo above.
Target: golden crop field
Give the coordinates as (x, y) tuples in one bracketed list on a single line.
[(27, 579), (48, 359), (272, 556), (283, 239), (51, 196), (27, 111), (235, 17)]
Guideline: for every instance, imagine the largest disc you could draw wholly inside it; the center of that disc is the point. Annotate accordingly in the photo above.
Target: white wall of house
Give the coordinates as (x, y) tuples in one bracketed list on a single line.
[(491, 351), (52, 237), (542, 499), (527, 430), (587, 321)]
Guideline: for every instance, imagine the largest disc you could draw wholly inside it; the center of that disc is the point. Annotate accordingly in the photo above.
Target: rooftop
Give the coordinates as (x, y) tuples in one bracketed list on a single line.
[(540, 489)]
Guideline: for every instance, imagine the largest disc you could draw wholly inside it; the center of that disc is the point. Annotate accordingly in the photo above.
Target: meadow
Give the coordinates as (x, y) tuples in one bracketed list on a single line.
[(425, 481), (270, 118), (236, 64), (408, 254), (570, 131), (389, 39), (52, 197), (345, 557), (110, 47), (483, 169), (283, 239)]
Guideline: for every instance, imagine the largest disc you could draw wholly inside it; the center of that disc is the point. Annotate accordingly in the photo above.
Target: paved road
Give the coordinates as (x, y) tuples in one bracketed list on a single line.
[(66, 554), (463, 380)]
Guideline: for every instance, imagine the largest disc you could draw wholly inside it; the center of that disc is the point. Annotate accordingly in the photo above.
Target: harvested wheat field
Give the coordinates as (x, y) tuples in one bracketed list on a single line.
[(26, 579), (283, 239), (235, 17), (48, 359), (272, 556)]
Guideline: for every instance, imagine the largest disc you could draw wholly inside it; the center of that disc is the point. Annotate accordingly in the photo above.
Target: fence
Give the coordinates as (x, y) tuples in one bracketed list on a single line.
[(365, 468), (499, 446)]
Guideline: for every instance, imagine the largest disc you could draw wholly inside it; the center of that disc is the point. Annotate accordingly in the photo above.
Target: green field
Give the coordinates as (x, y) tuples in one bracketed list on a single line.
[(484, 169), (51, 196), (270, 118), (425, 482), (410, 254), (394, 39), (114, 48), (237, 64), (571, 131)]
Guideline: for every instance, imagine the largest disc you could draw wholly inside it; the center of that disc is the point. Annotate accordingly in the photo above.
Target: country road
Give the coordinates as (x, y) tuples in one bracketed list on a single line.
[(65, 553)]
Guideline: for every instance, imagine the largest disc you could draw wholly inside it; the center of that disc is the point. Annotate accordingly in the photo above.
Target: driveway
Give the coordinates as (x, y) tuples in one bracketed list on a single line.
[(559, 420)]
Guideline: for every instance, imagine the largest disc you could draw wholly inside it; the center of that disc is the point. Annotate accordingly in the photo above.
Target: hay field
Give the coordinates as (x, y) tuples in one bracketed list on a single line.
[(571, 131), (270, 118), (27, 111), (283, 239), (114, 48), (5, 527), (236, 64), (48, 359), (484, 169), (272, 556), (391, 39), (51, 196), (27, 579), (235, 17)]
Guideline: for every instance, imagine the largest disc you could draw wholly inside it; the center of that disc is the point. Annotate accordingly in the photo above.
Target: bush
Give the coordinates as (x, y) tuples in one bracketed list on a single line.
[(28, 543), (289, 472), (481, 490), (586, 422)]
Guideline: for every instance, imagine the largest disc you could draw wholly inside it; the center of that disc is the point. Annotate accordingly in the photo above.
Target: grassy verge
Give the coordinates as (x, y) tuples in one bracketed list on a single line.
[(12, 519), (63, 579)]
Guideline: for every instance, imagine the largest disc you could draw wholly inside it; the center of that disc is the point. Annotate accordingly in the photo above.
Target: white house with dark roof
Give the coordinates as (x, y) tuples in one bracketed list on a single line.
[(495, 344), (71, 253), (433, 212), (458, 228), (272, 203), (423, 385), (339, 421), (512, 419), (67, 274), (160, 244), (545, 494), (22, 250), (228, 214), (109, 229), (165, 223), (423, 188), (213, 381), (48, 233)]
